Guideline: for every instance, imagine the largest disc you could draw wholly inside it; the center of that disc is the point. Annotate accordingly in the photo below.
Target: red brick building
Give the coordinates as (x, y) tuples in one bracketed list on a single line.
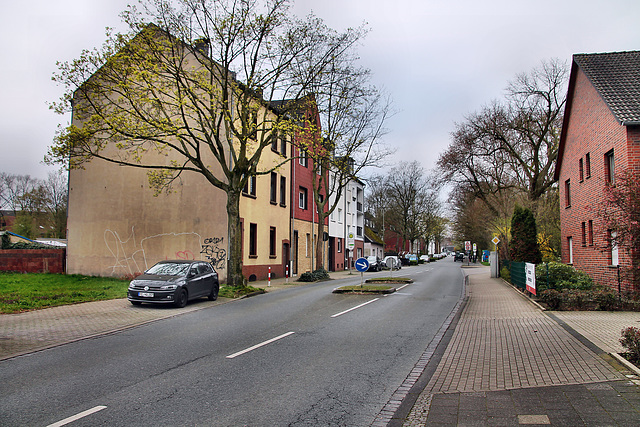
[(600, 138), (304, 214)]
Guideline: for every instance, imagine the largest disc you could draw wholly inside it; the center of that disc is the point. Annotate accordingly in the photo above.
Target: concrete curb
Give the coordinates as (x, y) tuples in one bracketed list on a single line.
[(626, 363)]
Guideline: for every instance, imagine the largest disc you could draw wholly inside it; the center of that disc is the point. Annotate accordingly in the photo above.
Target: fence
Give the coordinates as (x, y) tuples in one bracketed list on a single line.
[(518, 273)]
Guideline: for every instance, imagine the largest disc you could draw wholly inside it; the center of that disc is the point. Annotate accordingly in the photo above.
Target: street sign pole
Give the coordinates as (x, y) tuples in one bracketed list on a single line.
[(362, 265)]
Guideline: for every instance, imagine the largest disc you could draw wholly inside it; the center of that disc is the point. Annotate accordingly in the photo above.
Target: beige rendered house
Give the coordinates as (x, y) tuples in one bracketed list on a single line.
[(118, 227)]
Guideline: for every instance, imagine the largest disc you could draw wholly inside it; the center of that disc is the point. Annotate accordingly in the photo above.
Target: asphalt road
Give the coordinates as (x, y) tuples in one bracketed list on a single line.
[(296, 357)]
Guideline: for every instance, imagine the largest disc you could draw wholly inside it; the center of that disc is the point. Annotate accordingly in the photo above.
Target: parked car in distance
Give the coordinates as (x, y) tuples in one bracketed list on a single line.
[(375, 264), (174, 282), (425, 258), (459, 256), (397, 265)]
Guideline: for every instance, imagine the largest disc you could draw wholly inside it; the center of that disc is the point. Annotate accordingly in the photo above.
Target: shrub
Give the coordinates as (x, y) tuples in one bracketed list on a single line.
[(505, 273), (575, 299), (552, 298), (320, 274), (631, 342), (6, 241), (605, 298), (524, 237), (306, 277), (555, 275)]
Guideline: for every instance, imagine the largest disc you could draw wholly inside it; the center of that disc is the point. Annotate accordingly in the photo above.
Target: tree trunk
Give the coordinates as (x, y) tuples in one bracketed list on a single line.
[(234, 262)]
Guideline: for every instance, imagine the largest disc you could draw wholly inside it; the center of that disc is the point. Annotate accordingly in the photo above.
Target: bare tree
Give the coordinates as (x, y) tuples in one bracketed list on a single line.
[(13, 189), (411, 198), (195, 80), (56, 191), (513, 144), (348, 138)]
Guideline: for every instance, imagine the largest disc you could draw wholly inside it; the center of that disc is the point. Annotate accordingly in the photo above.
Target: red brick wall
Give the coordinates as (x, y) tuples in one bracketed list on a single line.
[(261, 272), (592, 129), (33, 260)]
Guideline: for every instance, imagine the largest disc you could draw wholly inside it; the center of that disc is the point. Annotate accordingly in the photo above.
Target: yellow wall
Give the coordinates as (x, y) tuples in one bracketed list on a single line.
[(264, 214), (116, 227)]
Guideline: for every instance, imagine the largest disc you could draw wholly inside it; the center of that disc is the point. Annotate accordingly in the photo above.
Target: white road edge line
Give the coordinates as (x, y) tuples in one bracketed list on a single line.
[(356, 307), (402, 287), (231, 356), (78, 416)]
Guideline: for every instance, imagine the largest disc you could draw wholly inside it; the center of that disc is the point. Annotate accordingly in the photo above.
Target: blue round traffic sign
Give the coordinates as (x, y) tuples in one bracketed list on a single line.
[(362, 264)]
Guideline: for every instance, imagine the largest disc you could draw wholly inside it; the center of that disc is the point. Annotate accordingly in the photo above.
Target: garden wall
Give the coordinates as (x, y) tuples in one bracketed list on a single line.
[(33, 260)]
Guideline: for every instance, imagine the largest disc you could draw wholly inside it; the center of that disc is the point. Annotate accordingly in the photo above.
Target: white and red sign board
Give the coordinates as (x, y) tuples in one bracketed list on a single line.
[(467, 245), (530, 270)]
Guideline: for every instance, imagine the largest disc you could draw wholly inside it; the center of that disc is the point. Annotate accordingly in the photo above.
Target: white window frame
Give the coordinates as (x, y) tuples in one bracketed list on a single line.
[(615, 260)]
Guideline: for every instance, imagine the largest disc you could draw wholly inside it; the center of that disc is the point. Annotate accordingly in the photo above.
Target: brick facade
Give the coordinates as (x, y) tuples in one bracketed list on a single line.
[(591, 134)]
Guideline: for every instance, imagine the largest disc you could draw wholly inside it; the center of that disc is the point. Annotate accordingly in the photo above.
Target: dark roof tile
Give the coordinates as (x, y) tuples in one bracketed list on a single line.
[(616, 76)]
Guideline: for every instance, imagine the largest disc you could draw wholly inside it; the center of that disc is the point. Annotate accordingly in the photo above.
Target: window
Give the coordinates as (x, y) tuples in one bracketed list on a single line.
[(283, 146), (590, 232), (581, 169), (272, 242), (303, 158), (302, 198), (274, 188), (614, 247), (570, 245), (587, 163), (609, 168), (250, 187), (274, 142), (339, 214), (254, 120), (584, 234), (283, 191), (567, 193), (307, 245), (339, 245), (253, 240)]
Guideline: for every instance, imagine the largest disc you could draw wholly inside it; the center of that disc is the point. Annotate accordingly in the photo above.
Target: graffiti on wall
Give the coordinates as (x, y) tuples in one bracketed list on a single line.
[(216, 255), (133, 255)]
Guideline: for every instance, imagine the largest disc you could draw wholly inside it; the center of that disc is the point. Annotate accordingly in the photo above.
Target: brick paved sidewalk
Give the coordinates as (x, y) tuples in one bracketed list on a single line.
[(509, 364)]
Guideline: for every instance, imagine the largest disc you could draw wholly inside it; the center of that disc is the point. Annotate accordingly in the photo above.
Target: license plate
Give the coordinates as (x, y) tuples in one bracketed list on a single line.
[(145, 294)]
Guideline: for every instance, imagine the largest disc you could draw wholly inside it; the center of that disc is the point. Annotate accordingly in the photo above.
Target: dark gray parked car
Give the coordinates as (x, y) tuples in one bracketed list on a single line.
[(174, 282)]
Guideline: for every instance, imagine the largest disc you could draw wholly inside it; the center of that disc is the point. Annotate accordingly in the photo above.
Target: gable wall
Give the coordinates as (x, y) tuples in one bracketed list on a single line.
[(116, 227), (593, 129)]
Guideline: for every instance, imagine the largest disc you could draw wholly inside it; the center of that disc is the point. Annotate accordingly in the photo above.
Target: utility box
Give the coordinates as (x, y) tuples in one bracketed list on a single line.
[(493, 261)]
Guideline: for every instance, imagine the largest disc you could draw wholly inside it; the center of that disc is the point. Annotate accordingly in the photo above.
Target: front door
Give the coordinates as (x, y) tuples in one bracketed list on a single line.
[(285, 259)]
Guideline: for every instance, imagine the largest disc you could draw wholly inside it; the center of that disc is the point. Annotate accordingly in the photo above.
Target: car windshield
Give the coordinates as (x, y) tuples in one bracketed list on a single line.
[(169, 269)]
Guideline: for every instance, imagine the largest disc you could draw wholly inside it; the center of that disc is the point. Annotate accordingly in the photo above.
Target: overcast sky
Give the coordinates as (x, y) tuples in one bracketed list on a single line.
[(438, 59)]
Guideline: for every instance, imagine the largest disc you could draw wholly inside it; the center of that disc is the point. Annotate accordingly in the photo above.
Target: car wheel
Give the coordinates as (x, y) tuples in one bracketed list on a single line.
[(181, 299), (214, 293), (135, 302)]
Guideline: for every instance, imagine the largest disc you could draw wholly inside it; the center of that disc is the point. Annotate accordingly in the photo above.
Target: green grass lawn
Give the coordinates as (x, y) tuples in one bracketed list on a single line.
[(22, 292)]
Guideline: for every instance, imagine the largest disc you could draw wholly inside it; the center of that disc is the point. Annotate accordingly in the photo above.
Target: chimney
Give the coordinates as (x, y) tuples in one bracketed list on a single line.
[(202, 46)]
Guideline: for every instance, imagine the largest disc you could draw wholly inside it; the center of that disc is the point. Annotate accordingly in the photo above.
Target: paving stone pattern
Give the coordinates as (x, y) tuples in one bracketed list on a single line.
[(35, 330), (590, 324), (509, 364)]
